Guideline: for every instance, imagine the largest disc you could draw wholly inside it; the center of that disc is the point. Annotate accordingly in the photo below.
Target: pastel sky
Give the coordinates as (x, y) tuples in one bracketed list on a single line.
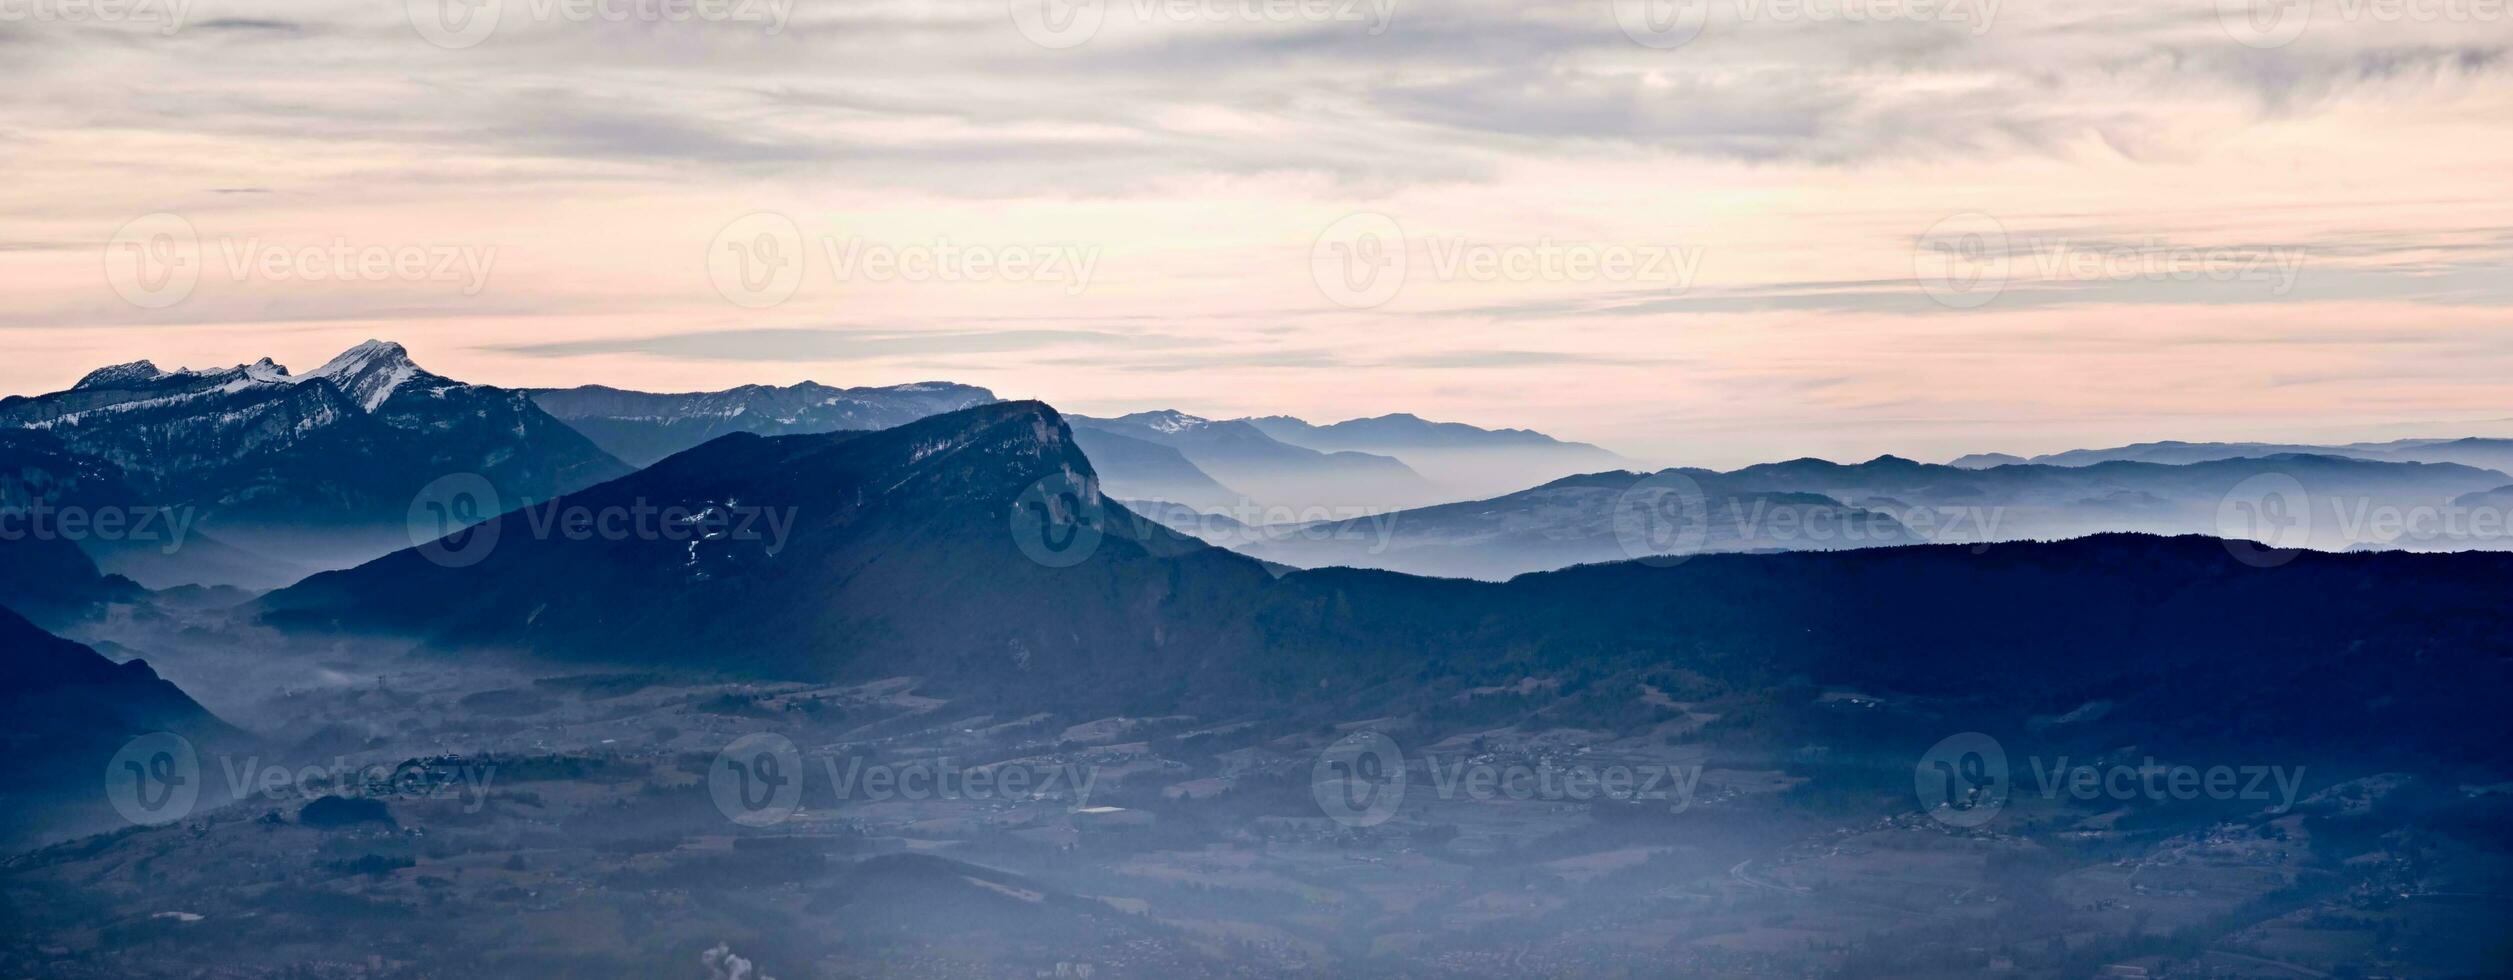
[(1714, 233)]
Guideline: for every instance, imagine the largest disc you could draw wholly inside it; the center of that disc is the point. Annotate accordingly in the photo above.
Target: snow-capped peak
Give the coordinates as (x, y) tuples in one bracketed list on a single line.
[(120, 374), (369, 372), (1166, 421), (266, 370)]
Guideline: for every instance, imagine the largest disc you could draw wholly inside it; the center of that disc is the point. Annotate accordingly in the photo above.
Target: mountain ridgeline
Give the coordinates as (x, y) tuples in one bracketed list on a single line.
[(872, 553), (643, 427), (1817, 505), (906, 557), (297, 471)]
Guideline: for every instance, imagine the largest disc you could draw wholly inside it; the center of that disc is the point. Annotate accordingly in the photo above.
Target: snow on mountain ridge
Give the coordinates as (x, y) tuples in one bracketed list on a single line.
[(140, 370), (368, 373)]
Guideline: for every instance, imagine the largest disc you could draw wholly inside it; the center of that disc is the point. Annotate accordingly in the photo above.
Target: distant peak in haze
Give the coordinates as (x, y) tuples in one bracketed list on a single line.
[(1398, 431), (1165, 420)]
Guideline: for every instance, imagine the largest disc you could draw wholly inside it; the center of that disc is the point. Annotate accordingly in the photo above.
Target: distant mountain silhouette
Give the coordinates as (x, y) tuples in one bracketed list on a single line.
[(2491, 454), (1273, 472), (1578, 520), (1137, 469), (1818, 505), (642, 427), (64, 711), (1464, 460)]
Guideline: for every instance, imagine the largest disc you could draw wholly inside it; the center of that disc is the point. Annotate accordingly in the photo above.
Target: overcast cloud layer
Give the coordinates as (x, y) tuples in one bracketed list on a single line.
[(1729, 231)]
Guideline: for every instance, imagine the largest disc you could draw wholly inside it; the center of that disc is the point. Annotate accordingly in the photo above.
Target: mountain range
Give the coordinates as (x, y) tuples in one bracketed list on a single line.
[(899, 558), (2484, 453), (1276, 474), (1466, 462), (909, 556), (1598, 517), (642, 427), (299, 471), (1818, 505)]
